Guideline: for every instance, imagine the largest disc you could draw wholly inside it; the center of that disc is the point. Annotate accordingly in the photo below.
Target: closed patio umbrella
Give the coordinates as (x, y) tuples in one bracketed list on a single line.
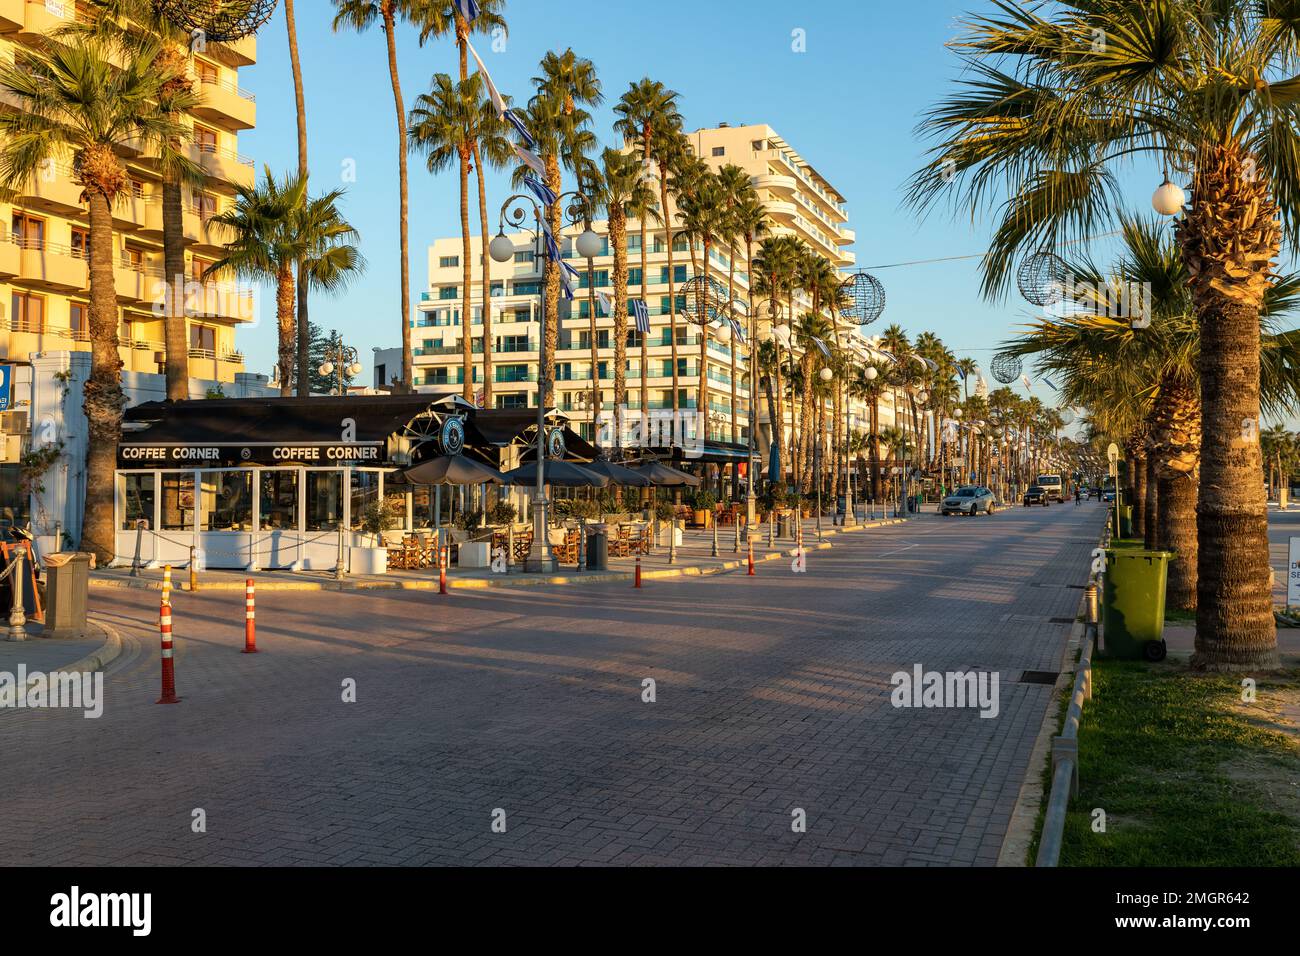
[(452, 470), (667, 477), (618, 474), (561, 474)]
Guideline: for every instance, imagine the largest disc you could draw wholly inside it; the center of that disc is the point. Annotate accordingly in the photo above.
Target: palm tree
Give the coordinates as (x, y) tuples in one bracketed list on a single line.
[(1193, 86), (704, 219), (643, 206), (360, 15), (749, 218), (444, 125), (126, 23), (776, 264), (624, 190), (90, 98), (649, 121), (492, 144), (736, 188), (817, 277), (277, 228), (300, 105)]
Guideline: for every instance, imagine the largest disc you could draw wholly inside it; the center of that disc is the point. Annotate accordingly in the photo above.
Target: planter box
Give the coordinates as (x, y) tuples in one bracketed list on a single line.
[(368, 560), (663, 539), (476, 554)]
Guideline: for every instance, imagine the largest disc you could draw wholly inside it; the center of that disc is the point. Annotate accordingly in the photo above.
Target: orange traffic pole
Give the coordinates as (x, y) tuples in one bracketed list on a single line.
[(168, 665), (637, 583), (750, 572), (250, 620), (442, 570)]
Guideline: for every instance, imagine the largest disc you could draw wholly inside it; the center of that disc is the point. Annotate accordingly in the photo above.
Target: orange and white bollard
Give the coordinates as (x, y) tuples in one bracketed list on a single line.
[(168, 665), (750, 572), (442, 570), (167, 585), (637, 580), (250, 619)]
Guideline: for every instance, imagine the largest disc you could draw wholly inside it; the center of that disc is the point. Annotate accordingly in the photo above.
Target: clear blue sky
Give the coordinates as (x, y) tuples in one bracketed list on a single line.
[(849, 105)]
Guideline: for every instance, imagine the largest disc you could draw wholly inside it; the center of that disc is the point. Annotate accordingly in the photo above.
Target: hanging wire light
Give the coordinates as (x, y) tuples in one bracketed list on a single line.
[(862, 298), (1006, 368), (220, 21), (1041, 278)]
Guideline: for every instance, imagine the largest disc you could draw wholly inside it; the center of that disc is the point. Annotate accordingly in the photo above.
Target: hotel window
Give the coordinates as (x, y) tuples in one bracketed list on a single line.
[(324, 500), (512, 400), (633, 243), (208, 73), (137, 189), (133, 258), (679, 274), (124, 331), (227, 501), (205, 139), (278, 503), (80, 243), (79, 320), (634, 278), (28, 231), (449, 292), (719, 151), (601, 277), (759, 145), (513, 343), (203, 338), (177, 501), (28, 312), (137, 492), (526, 256), (199, 268), (448, 262), (205, 205)]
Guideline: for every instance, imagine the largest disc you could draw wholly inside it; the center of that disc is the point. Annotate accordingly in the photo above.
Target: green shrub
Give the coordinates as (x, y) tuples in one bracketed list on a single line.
[(503, 512)]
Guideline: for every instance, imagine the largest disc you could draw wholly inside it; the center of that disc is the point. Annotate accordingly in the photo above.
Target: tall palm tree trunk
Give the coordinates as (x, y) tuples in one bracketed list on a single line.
[(174, 330), (672, 297), (1229, 238), (703, 319), (1139, 494), (103, 390), (487, 277), (403, 188), (467, 284), (303, 363), (645, 339), (551, 280), (1177, 433), (618, 239), (284, 316), (1151, 504)]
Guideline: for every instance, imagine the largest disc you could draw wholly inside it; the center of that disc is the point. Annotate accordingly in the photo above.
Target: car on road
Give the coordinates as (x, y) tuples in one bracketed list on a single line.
[(968, 500), (1036, 495)]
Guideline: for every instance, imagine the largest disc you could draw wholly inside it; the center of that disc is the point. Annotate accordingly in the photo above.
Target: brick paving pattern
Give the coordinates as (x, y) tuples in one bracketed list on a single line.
[(772, 695)]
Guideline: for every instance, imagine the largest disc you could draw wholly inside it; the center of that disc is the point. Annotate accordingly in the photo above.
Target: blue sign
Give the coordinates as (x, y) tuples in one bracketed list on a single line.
[(6, 386)]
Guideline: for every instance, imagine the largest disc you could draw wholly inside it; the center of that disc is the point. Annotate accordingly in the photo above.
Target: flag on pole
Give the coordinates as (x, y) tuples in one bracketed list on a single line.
[(961, 374), (1051, 385), (821, 346), (640, 315), (540, 190), (530, 159), (737, 331), (498, 102), (1025, 379), (782, 335), (512, 117), (604, 302), (468, 9)]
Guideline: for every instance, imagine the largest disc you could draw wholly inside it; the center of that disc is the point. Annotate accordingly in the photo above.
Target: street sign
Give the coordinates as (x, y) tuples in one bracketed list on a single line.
[(6, 386), (1293, 573), (1112, 453)]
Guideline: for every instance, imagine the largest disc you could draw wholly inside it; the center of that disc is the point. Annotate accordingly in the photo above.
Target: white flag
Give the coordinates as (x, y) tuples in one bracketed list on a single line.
[(498, 103), (530, 159)]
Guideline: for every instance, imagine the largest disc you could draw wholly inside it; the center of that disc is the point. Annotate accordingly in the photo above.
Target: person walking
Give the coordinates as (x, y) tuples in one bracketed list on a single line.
[(1078, 495)]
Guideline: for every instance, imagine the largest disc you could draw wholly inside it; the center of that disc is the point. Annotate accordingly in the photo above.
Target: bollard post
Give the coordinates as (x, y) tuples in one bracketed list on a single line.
[(771, 527), (1091, 616), (750, 572), (194, 573), (637, 582), (672, 540), (443, 555), (17, 613), (714, 519), (250, 619), (582, 544), (139, 534), (735, 523), (167, 585), (168, 665)]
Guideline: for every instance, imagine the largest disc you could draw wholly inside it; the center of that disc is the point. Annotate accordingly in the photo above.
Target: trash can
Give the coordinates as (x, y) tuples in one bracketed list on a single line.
[(1126, 521), (598, 548), (783, 524), (67, 580), (1133, 603)]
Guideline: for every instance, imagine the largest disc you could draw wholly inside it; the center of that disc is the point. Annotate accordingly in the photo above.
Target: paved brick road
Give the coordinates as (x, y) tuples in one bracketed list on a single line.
[(772, 694)]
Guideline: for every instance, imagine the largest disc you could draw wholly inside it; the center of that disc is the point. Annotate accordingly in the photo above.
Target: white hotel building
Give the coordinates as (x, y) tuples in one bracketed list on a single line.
[(799, 200)]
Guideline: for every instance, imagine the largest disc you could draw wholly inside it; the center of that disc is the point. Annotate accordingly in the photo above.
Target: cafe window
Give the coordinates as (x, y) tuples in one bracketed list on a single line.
[(279, 500), (138, 493), (177, 501), (324, 500), (365, 494), (227, 501), (422, 506)]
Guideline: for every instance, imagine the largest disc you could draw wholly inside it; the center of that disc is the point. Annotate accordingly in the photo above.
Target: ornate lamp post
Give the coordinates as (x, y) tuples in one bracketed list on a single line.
[(502, 249), (342, 359)]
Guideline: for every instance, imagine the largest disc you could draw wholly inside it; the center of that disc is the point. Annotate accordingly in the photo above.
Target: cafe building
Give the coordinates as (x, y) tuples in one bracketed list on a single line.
[(295, 483)]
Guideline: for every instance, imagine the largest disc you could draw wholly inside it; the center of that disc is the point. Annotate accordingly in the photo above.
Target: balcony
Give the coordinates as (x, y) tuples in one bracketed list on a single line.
[(776, 182), (52, 190), (11, 260), (12, 15), (225, 103), (239, 53), (129, 210), (151, 220), (43, 17), (51, 266), (220, 300), (225, 165), (135, 284)]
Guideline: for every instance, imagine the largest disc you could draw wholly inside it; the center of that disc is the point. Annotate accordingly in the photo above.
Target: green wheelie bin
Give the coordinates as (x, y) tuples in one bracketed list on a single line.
[(1133, 603), (1125, 521)]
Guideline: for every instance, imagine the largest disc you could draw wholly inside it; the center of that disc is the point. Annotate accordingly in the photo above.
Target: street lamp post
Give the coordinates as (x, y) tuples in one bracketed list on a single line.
[(502, 249), (341, 359)]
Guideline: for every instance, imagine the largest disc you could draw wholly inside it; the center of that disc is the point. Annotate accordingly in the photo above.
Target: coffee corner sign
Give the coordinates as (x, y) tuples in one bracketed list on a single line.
[(179, 455)]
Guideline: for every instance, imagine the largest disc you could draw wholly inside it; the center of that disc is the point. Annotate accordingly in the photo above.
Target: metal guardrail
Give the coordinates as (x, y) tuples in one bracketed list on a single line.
[(1065, 746)]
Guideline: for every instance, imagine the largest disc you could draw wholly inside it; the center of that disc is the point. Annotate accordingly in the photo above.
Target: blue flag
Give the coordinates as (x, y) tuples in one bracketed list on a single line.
[(513, 119), (737, 331), (641, 315), (539, 189), (467, 9)]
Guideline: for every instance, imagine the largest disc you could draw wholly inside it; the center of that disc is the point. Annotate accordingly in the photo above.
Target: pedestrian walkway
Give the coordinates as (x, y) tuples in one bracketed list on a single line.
[(693, 556)]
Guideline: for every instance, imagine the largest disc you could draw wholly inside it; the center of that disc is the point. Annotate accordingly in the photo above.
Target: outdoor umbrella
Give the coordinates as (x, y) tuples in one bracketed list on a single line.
[(452, 470), (562, 474), (618, 474), (667, 477)]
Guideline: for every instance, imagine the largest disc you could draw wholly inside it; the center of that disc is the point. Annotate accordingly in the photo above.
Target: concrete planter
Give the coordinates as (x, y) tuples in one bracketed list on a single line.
[(368, 560)]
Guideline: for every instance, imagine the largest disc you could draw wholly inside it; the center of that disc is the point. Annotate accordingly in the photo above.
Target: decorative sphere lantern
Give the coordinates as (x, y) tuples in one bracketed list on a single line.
[(588, 245), (1168, 199), (826, 374)]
